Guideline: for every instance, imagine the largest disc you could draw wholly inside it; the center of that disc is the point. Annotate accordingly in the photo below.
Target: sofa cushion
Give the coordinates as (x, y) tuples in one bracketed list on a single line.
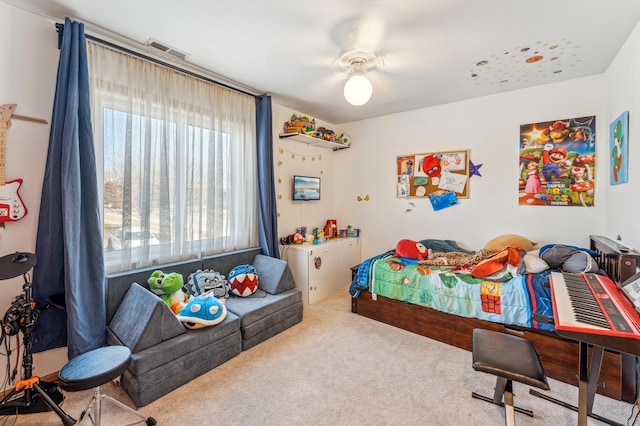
[(144, 320), (275, 275), (163, 378), (263, 330), (224, 262), (172, 350), (270, 321), (261, 305)]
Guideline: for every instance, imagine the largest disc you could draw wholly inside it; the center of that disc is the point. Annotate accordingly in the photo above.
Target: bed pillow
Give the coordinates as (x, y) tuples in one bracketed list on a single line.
[(509, 240), (534, 264), (444, 246), (569, 259)]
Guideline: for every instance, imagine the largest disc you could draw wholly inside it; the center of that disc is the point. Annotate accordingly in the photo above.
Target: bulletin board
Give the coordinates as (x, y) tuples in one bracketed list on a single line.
[(419, 175)]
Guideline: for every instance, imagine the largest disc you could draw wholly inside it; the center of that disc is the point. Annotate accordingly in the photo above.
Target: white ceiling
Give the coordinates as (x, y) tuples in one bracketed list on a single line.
[(433, 50)]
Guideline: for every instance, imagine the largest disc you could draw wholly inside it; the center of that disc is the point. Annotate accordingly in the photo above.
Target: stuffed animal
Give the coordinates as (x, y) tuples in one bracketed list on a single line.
[(208, 280), (501, 242), (497, 263), (243, 280), (169, 288), (410, 249), (202, 311)]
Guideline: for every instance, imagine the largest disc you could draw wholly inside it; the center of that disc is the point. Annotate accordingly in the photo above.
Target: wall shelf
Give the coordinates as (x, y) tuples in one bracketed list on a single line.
[(298, 137)]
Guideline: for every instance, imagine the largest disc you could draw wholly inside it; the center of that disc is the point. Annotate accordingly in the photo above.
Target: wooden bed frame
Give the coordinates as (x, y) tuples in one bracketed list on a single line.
[(559, 356)]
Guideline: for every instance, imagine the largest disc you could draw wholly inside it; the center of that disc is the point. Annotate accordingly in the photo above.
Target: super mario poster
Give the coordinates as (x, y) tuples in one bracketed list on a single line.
[(557, 162)]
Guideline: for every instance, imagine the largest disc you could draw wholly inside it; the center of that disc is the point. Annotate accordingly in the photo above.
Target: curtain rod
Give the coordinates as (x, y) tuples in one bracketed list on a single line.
[(60, 29)]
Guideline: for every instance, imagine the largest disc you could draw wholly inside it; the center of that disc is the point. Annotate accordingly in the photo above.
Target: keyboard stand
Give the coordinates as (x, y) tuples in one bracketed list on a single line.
[(588, 382)]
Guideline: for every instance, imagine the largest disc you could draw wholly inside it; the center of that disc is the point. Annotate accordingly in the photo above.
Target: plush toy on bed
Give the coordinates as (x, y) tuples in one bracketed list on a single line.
[(202, 311), (169, 288), (410, 249)]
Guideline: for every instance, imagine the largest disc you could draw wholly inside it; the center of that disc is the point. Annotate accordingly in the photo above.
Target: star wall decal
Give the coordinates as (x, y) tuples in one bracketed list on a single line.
[(474, 169)]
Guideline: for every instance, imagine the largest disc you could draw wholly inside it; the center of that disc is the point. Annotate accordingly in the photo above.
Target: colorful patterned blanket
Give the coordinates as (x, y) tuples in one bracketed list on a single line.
[(514, 299)]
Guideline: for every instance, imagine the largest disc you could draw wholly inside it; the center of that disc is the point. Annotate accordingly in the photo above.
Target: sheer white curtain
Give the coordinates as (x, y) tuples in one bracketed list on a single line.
[(178, 162)]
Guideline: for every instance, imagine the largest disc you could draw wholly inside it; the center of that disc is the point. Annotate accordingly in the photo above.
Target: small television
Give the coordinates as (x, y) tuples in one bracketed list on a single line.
[(306, 188)]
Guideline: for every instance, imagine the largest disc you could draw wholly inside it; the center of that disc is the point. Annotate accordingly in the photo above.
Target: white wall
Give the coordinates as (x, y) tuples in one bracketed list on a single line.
[(29, 55), (622, 80), (297, 158), (489, 127)]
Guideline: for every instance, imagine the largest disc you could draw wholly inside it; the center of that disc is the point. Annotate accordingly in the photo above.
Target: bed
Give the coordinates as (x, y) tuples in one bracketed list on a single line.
[(515, 302)]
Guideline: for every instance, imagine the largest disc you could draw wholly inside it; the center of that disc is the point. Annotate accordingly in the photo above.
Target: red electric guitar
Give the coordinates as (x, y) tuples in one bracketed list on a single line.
[(11, 206)]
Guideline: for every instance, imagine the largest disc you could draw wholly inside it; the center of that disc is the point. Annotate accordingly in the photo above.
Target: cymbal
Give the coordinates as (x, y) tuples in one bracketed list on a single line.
[(16, 264)]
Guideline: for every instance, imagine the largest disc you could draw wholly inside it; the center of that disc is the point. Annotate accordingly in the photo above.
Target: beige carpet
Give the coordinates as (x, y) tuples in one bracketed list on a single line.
[(337, 368)]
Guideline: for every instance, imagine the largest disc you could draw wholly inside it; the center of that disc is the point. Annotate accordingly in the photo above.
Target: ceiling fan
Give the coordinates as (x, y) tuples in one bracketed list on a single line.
[(360, 37), (358, 88)]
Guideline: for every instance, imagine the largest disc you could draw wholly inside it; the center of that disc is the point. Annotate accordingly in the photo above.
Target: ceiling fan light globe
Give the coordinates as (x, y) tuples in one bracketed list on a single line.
[(358, 89)]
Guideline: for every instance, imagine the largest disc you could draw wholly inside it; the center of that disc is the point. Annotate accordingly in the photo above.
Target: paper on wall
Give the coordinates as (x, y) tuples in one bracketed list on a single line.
[(452, 181), (403, 186), (454, 162)]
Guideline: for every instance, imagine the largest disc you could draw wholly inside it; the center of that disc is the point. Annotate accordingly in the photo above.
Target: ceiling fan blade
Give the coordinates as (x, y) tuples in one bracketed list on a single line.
[(360, 33)]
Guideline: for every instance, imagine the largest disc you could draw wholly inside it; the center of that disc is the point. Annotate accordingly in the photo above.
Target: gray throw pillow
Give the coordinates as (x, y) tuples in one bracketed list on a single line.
[(144, 320), (274, 274)]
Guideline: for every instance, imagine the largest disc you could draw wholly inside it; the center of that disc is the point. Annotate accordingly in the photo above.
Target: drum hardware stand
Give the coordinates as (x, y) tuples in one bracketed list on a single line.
[(31, 395)]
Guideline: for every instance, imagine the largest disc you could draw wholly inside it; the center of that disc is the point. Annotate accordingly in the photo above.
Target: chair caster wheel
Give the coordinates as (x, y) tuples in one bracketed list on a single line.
[(151, 421)]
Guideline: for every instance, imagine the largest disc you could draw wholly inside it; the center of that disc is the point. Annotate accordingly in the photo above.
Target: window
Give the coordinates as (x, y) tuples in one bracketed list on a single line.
[(177, 159)]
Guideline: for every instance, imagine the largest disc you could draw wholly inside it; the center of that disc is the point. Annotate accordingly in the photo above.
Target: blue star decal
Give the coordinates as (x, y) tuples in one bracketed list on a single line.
[(474, 169)]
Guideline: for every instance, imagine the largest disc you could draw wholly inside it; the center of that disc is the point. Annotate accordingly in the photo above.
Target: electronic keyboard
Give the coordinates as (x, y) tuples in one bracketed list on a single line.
[(591, 308)]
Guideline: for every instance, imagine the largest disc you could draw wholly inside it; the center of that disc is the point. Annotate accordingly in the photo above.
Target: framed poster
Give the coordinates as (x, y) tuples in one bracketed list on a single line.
[(619, 149), (420, 175), (557, 162)]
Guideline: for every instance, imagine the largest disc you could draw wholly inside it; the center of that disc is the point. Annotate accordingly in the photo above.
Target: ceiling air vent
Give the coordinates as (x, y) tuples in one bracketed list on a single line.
[(166, 50)]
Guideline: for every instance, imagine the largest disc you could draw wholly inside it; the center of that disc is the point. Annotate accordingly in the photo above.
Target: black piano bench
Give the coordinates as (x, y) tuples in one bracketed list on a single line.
[(509, 358), (92, 370)]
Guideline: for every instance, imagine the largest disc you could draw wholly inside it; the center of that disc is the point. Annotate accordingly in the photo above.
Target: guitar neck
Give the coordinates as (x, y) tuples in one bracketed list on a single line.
[(3, 152), (5, 114)]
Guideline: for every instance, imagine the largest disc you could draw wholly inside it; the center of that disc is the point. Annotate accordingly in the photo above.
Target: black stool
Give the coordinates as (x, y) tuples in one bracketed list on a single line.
[(510, 358), (92, 370)]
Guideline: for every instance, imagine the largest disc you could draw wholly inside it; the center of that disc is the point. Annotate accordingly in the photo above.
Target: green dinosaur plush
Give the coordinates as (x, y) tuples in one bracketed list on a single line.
[(169, 288)]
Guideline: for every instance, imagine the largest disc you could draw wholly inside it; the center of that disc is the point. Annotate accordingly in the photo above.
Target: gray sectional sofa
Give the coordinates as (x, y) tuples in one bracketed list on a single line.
[(165, 354)]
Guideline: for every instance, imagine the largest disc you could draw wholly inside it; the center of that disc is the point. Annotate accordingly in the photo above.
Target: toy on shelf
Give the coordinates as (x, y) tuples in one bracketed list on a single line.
[(331, 228), (353, 232), (299, 124), (302, 125)]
